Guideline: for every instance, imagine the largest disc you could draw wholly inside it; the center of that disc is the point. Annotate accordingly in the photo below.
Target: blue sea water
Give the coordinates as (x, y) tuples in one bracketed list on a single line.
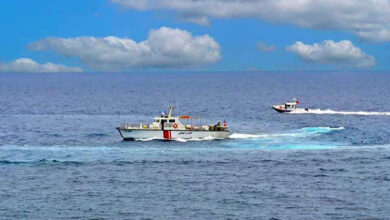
[(61, 157)]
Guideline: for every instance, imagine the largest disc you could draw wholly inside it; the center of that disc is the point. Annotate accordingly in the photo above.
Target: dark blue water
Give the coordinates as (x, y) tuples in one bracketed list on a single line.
[(61, 157)]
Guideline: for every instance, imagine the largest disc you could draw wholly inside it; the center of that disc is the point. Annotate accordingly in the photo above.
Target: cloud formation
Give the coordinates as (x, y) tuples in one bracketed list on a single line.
[(369, 19), (265, 47), (164, 48), (30, 66), (342, 53)]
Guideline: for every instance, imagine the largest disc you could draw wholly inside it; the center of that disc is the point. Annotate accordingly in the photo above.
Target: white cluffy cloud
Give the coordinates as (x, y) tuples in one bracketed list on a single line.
[(164, 48), (342, 53), (369, 19), (30, 66)]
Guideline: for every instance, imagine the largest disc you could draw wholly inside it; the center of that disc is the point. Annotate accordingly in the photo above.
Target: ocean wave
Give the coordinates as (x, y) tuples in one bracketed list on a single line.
[(332, 112), (41, 161), (54, 162), (97, 135)]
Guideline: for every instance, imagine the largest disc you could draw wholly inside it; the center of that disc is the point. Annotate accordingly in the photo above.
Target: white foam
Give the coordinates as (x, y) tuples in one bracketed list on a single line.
[(322, 129), (207, 138), (246, 136), (148, 139), (180, 140), (334, 129), (332, 112)]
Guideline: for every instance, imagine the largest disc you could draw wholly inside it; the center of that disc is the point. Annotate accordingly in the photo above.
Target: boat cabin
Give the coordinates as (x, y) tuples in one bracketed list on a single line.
[(287, 107), (167, 123), (171, 122), (290, 106)]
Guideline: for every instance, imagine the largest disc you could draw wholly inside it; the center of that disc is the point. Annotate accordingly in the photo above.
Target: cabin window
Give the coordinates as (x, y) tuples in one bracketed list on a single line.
[(163, 120), (157, 120), (171, 120)]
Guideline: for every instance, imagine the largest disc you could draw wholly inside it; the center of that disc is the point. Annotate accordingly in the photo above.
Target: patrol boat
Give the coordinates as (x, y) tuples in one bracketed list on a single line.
[(288, 107), (169, 126)]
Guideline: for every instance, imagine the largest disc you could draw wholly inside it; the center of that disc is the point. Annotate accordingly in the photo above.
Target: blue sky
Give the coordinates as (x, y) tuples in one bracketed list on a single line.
[(37, 31)]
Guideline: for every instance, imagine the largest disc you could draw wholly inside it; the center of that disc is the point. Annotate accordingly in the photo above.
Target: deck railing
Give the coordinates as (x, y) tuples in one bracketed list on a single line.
[(169, 126), (128, 125)]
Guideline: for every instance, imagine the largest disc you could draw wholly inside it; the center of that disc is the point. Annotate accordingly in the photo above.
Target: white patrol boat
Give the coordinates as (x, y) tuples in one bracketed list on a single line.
[(168, 126), (288, 107)]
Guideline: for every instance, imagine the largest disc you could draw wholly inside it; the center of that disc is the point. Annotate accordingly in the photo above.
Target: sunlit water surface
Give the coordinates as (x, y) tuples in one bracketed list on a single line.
[(61, 157)]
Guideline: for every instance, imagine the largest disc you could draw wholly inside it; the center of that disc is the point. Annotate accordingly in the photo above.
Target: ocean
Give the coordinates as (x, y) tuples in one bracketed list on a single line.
[(62, 158)]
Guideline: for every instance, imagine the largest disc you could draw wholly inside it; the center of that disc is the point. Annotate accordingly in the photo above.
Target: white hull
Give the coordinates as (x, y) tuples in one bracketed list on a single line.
[(283, 110), (138, 134)]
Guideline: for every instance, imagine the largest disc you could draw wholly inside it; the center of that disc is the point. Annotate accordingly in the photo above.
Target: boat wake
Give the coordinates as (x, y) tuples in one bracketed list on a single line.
[(332, 112), (298, 133), (303, 132), (208, 138), (295, 139)]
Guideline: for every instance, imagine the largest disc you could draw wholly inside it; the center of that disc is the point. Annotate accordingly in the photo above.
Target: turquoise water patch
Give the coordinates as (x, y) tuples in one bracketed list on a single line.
[(316, 130)]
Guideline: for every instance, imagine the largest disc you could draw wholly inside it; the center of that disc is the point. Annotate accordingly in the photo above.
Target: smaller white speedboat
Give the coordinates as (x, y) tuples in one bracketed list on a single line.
[(288, 107)]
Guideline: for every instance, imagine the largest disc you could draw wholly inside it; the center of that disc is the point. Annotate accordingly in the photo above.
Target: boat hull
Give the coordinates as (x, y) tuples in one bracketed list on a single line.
[(281, 110), (139, 134)]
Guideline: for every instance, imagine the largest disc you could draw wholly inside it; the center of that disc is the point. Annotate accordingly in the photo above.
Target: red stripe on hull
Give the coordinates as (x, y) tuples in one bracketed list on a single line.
[(167, 134)]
